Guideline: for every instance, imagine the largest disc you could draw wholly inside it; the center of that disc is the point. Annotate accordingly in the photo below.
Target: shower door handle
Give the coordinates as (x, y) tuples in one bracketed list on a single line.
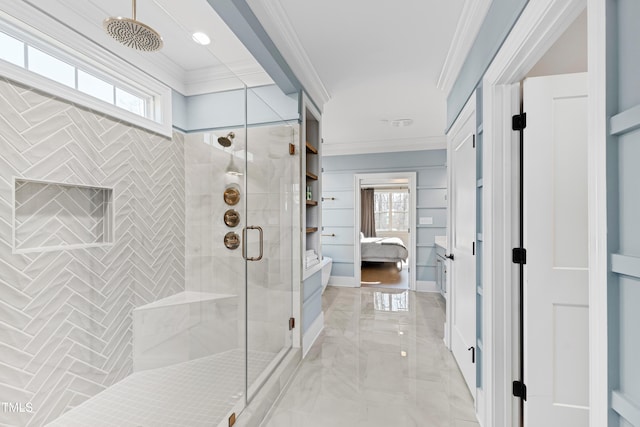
[(244, 239), (261, 243)]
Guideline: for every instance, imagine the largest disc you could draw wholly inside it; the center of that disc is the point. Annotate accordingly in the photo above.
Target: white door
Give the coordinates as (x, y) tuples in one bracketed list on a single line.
[(463, 229), (556, 317)]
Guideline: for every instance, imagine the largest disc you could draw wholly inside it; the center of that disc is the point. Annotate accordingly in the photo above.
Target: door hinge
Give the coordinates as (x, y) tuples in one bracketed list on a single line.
[(232, 419), (519, 121), (292, 149), (474, 141), (292, 323), (520, 390), (519, 256), (473, 248)]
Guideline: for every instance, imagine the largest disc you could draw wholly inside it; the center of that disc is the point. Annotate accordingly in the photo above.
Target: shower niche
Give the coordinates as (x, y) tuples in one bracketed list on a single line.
[(55, 216)]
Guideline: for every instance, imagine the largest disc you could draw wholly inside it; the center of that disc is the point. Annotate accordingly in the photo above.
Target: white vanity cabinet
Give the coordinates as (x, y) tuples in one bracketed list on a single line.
[(441, 265)]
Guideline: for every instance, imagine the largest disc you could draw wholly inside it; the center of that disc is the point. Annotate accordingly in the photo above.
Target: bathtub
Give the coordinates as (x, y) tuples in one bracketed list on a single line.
[(326, 265)]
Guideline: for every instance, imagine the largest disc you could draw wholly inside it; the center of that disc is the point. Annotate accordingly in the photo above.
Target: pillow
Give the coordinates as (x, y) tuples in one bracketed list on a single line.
[(361, 235)]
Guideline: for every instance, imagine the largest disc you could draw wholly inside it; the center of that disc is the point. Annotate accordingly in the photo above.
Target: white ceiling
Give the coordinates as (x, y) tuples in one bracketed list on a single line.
[(372, 61), (378, 61), (182, 64)]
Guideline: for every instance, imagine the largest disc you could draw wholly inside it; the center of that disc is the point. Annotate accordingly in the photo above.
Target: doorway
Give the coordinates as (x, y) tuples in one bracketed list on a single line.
[(384, 253), (543, 374)]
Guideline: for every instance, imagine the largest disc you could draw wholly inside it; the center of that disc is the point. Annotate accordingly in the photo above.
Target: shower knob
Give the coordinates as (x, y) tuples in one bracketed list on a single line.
[(231, 196), (231, 240), (231, 218)]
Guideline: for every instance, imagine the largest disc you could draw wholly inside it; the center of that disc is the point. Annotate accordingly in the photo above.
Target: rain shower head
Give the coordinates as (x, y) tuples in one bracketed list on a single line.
[(132, 33), (226, 141)]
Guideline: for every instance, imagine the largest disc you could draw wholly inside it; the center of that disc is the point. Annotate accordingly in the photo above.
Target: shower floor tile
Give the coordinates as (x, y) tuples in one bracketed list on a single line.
[(199, 392)]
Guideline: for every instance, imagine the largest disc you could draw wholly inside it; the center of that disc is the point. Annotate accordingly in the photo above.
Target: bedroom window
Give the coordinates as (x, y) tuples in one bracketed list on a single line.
[(391, 207)]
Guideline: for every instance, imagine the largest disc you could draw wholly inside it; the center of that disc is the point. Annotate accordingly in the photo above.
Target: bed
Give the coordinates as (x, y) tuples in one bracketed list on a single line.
[(383, 249)]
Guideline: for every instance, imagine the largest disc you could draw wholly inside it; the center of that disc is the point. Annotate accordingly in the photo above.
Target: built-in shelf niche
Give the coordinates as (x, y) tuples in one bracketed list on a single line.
[(312, 177), (50, 216)]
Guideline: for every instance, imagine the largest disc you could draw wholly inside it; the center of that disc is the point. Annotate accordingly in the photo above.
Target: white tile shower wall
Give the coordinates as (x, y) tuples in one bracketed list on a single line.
[(211, 267), (66, 316), (273, 205)]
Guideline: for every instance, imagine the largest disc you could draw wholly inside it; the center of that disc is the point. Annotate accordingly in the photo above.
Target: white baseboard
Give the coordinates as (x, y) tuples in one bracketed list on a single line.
[(343, 281), (312, 333), (426, 286)]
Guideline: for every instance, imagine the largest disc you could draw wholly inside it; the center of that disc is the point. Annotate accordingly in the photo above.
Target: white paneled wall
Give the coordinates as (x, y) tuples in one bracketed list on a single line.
[(337, 214)]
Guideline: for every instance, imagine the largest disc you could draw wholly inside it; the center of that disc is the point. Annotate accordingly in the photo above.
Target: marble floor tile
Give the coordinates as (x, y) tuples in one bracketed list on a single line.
[(380, 361)]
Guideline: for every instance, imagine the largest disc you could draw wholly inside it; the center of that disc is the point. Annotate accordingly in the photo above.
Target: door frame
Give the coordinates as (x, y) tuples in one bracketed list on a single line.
[(468, 113), (539, 26), (411, 177)]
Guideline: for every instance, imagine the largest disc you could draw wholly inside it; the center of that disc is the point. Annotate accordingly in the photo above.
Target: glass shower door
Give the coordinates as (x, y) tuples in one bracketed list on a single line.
[(269, 238)]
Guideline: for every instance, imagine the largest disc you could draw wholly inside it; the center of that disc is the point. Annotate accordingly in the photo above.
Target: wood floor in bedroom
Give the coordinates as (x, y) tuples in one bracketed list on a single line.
[(384, 275)]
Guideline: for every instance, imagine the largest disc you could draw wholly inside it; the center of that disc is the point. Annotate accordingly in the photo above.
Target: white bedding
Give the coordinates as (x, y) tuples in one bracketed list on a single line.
[(383, 249)]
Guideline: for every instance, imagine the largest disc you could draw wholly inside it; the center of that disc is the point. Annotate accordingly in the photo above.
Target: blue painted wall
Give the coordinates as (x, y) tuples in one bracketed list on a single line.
[(623, 157), (501, 17), (337, 216), (266, 104)]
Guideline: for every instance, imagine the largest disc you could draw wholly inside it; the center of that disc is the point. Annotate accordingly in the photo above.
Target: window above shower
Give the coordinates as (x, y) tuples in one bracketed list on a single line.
[(61, 69), (31, 57)]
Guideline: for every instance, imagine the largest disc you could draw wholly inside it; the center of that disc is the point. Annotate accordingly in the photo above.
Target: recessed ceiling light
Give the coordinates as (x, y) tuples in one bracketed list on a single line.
[(201, 38), (399, 123)]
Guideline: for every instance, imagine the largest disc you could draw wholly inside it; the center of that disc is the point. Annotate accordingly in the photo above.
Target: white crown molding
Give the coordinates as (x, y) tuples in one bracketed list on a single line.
[(471, 18), (221, 77), (333, 148), (275, 21)]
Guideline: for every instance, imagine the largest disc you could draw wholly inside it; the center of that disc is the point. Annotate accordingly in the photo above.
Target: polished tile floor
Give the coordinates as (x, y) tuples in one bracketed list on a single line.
[(380, 361)]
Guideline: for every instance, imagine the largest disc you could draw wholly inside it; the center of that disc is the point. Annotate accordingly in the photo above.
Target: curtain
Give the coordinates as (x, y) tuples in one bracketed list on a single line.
[(367, 213)]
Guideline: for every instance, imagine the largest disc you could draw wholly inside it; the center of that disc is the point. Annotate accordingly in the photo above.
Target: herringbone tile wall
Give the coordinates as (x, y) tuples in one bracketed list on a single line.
[(54, 215), (65, 316)]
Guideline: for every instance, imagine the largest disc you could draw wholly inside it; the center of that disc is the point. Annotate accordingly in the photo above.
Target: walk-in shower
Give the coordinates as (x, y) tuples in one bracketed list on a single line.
[(146, 280), (198, 353)]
